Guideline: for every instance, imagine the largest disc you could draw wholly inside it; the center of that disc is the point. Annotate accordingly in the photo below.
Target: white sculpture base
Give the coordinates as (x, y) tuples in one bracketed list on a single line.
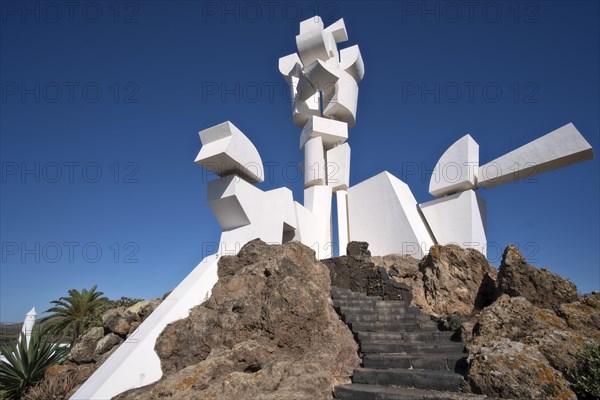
[(135, 363)]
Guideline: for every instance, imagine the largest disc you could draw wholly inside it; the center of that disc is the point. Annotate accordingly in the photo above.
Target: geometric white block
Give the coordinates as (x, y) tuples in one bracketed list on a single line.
[(289, 66), (311, 24), (338, 30), (226, 150), (317, 200), (342, 216), (322, 76), (561, 147), (314, 163), (456, 169), (332, 132), (338, 167), (316, 45), (341, 104), (458, 219), (231, 200), (135, 363), (383, 212), (306, 101), (245, 212), (351, 61)]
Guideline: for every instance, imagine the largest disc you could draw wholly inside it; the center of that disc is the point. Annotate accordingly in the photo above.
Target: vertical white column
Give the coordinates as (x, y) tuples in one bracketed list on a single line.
[(314, 163), (342, 217)]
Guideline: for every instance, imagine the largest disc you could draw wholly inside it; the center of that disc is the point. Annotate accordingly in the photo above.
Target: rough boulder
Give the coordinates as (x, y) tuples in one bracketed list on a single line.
[(268, 331)]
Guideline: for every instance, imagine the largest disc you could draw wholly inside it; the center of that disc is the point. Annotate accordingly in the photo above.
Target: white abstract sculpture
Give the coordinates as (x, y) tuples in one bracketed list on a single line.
[(458, 216), (380, 210), (320, 72)]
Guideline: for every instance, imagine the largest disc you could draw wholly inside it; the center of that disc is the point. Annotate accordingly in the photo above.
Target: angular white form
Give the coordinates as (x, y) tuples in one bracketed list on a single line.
[(330, 131), (458, 219), (290, 66), (308, 231), (351, 61), (226, 150), (338, 30), (314, 45), (456, 169), (135, 363), (383, 212), (322, 76), (342, 103), (342, 215), (317, 200), (338, 168), (245, 212), (314, 163), (559, 148), (307, 101), (332, 75)]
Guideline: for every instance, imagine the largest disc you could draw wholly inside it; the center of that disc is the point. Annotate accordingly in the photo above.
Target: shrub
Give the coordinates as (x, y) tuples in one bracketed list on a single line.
[(26, 365), (586, 375), (53, 386)]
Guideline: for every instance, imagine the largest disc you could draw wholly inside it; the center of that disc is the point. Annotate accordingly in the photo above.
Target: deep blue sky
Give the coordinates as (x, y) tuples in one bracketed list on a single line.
[(122, 91)]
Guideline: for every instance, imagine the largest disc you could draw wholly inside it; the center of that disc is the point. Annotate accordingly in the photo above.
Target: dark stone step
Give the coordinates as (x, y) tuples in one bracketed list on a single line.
[(399, 336), (397, 327), (373, 346), (353, 296), (418, 379), (399, 321), (374, 392), (395, 305), (398, 316), (360, 309), (438, 362), (354, 303)]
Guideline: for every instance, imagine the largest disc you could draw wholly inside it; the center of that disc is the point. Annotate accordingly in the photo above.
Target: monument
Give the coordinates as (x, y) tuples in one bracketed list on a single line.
[(381, 210)]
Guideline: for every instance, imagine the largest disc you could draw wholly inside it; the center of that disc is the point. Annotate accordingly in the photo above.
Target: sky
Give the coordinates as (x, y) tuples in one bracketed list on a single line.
[(102, 101)]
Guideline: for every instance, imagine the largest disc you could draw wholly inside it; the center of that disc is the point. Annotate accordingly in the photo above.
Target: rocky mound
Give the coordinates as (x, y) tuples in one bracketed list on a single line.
[(268, 331), (448, 280), (541, 287)]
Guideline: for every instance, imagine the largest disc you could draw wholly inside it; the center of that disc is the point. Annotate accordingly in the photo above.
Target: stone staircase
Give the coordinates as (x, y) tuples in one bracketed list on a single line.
[(404, 355)]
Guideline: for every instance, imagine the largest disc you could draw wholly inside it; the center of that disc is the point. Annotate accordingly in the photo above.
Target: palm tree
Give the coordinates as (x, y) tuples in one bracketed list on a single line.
[(73, 314)]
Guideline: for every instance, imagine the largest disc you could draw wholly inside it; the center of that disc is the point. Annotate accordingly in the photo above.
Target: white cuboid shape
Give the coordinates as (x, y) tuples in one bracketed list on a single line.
[(330, 131), (351, 61), (456, 169), (383, 212), (559, 148), (338, 30), (317, 200), (316, 43), (342, 218), (307, 101), (322, 76), (338, 167), (135, 363), (245, 213), (458, 219), (290, 66), (342, 103), (314, 163), (226, 150)]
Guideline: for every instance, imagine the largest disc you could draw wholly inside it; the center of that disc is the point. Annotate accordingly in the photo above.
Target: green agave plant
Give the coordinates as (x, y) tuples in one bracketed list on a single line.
[(25, 365)]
